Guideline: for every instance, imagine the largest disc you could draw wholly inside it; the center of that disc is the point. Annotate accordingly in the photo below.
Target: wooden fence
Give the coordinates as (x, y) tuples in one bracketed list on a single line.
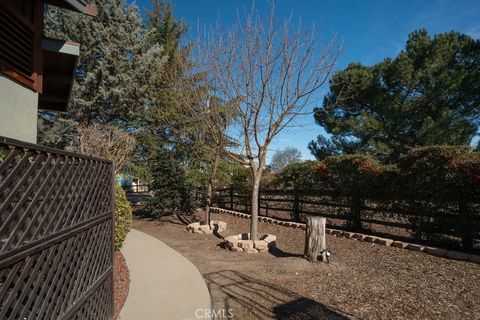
[(56, 234), (392, 218)]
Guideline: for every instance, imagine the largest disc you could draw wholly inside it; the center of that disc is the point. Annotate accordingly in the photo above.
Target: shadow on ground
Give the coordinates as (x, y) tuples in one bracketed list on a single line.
[(256, 299), (173, 218), (279, 253)]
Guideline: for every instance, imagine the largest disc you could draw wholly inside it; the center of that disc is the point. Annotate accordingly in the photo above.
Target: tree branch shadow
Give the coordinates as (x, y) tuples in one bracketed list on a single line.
[(263, 300)]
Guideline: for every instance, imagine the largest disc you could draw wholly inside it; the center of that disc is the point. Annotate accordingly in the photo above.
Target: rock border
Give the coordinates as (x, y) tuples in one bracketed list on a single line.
[(242, 243), (434, 251), (215, 225)]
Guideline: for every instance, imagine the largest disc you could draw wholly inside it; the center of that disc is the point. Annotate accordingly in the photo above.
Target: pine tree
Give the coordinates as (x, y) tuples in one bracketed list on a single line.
[(428, 95), (113, 76), (171, 192)]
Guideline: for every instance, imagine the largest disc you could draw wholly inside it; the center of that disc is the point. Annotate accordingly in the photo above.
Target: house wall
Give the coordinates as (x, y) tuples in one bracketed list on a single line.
[(18, 111)]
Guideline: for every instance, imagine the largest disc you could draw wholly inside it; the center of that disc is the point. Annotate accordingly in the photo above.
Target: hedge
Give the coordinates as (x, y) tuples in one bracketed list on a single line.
[(435, 190), (123, 217)]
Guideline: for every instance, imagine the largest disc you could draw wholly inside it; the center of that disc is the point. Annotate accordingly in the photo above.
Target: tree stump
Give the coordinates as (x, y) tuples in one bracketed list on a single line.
[(315, 243)]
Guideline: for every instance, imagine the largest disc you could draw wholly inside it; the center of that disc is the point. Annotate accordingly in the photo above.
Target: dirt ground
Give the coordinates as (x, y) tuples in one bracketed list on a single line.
[(362, 280)]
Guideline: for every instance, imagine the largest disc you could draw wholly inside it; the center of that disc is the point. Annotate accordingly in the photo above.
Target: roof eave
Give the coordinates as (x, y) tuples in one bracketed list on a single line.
[(75, 5)]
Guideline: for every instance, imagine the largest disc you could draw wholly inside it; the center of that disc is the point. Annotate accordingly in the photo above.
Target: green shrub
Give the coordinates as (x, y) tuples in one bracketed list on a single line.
[(356, 177), (123, 217), (442, 185), (302, 179)]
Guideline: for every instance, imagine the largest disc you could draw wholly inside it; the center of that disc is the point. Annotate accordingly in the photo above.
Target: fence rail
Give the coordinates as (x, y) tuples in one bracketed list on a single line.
[(56, 234), (388, 217)]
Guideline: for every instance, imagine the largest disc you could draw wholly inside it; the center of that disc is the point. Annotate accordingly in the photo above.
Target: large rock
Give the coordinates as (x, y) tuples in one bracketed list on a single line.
[(261, 245)]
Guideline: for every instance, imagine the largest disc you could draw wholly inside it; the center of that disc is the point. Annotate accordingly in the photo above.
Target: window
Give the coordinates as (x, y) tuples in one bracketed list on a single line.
[(21, 24)]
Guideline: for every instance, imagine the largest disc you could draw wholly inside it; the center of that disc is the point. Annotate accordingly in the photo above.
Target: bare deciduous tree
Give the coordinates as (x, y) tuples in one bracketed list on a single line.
[(204, 119), (282, 158), (275, 69), (107, 142)]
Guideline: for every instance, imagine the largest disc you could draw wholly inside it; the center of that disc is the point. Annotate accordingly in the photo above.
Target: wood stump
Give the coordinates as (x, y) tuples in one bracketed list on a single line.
[(315, 242)]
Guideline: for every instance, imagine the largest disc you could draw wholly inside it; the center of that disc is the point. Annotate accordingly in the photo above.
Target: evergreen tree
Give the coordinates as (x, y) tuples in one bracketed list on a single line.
[(159, 120), (115, 68), (429, 94), (171, 191)]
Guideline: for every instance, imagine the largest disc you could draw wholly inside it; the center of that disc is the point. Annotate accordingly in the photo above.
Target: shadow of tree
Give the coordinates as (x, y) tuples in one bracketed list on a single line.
[(263, 300), (305, 309), (172, 217), (279, 253)]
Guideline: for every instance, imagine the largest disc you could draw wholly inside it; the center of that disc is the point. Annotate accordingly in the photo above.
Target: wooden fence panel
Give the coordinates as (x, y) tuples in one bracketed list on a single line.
[(56, 234), (393, 218)]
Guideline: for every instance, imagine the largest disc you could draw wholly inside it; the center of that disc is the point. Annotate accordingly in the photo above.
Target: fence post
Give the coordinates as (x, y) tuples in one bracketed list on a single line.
[(315, 242), (296, 208)]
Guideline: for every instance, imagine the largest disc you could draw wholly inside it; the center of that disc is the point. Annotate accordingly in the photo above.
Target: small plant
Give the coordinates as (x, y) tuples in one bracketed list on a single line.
[(123, 217)]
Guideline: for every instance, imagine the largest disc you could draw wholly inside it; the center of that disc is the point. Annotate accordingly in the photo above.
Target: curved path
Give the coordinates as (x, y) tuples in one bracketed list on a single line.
[(164, 284)]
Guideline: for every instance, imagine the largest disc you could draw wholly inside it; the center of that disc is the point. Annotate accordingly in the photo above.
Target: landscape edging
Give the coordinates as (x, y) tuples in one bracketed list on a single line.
[(434, 251)]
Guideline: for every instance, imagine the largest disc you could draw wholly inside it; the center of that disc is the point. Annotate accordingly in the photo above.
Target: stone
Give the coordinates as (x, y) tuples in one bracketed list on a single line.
[(204, 227), (328, 231), (414, 247), (208, 231), (269, 238), (358, 236), (438, 252), (456, 255), (369, 239), (399, 244), (383, 242), (347, 234), (336, 232), (250, 250), (218, 225), (244, 236), (260, 245), (245, 244), (236, 249), (474, 258)]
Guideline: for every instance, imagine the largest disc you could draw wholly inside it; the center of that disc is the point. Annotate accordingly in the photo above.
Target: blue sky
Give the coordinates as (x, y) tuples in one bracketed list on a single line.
[(370, 30)]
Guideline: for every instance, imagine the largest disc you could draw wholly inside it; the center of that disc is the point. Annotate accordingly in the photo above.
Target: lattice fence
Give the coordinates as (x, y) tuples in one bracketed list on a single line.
[(56, 232)]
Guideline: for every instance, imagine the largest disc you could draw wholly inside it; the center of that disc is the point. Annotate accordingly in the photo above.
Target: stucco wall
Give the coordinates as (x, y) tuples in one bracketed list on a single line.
[(18, 111)]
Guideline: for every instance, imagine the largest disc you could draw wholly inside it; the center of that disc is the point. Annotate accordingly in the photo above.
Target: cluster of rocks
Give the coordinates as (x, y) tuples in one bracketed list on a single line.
[(242, 242), (434, 251), (217, 226)]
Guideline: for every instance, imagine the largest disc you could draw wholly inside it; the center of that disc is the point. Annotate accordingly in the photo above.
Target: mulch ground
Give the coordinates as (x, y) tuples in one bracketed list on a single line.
[(362, 280), (121, 279)]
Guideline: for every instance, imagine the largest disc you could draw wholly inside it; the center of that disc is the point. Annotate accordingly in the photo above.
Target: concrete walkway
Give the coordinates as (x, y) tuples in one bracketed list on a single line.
[(163, 283)]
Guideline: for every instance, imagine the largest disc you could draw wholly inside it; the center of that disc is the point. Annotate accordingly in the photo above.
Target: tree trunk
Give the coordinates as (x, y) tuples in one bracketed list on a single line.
[(315, 242), (254, 207), (211, 179)]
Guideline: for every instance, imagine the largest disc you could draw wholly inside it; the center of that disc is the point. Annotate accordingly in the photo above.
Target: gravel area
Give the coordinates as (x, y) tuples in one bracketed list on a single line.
[(362, 280), (121, 280)]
